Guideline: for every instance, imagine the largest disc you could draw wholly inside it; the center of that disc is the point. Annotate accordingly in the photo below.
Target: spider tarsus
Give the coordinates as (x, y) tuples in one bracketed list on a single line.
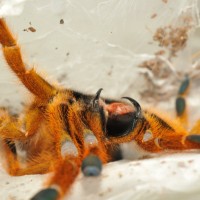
[(91, 165), (46, 194), (184, 86), (193, 138), (180, 105)]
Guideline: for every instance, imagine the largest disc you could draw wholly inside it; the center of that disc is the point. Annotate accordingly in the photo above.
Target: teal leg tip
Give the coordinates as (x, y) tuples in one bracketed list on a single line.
[(46, 194), (193, 138), (91, 166)]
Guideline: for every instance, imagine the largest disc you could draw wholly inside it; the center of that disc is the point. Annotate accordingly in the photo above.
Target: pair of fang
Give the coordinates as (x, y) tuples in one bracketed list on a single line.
[(133, 101), (120, 120)]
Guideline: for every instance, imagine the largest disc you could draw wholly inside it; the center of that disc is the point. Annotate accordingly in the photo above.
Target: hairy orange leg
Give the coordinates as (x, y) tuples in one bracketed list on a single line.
[(16, 168), (66, 172), (9, 127), (33, 82), (9, 132), (165, 135)]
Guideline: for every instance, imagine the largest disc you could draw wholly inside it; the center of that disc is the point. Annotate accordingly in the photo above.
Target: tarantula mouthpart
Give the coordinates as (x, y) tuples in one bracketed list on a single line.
[(63, 131)]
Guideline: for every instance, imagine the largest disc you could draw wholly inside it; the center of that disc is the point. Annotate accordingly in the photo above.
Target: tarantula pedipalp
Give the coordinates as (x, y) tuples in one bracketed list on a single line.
[(63, 130)]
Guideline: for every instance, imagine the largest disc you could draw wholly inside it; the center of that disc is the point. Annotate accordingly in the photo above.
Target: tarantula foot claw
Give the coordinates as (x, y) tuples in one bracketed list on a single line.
[(91, 165), (193, 138), (46, 194)]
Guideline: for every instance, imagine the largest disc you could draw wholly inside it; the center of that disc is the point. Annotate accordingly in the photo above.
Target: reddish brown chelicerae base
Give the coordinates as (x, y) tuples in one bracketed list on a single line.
[(63, 131)]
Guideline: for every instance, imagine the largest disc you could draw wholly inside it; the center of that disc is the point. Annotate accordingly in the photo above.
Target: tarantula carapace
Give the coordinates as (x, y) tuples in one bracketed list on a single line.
[(63, 130)]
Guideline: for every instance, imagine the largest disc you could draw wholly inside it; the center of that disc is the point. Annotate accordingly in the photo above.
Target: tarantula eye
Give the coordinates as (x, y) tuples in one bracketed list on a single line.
[(122, 118), (72, 100)]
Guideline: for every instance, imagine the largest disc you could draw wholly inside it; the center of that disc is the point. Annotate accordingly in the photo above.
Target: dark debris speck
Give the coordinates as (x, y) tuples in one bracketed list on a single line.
[(32, 29), (62, 21)]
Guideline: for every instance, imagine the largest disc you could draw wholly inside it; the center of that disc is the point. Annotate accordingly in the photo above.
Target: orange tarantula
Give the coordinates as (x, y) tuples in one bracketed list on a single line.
[(63, 131)]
